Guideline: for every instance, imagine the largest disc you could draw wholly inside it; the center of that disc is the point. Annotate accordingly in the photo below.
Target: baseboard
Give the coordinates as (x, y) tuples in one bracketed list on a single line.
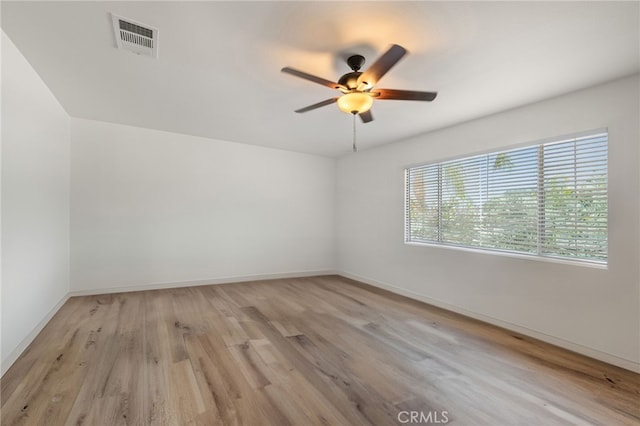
[(565, 344), (17, 351), (195, 283)]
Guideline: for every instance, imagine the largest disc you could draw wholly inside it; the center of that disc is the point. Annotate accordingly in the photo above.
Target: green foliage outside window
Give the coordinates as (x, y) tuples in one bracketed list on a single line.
[(542, 200)]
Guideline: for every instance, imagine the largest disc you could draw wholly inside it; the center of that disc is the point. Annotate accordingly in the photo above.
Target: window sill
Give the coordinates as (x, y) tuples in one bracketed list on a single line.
[(589, 264)]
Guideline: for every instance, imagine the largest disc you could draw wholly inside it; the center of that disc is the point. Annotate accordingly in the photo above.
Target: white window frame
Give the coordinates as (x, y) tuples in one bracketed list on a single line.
[(539, 255)]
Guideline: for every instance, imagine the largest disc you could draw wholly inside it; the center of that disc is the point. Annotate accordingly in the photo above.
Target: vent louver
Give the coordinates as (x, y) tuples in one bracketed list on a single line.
[(135, 36)]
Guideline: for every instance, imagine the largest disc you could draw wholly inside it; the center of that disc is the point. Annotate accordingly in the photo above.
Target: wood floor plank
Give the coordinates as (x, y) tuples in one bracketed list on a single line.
[(302, 351)]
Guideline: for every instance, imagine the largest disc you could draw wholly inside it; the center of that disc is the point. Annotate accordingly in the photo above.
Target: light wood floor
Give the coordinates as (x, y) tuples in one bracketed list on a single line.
[(322, 350)]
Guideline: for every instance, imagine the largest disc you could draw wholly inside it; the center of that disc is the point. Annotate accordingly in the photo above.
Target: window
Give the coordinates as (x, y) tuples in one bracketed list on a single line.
[(548, 199)]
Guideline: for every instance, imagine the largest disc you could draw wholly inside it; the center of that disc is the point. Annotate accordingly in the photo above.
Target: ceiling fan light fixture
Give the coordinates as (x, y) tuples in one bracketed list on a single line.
[(355, 102)]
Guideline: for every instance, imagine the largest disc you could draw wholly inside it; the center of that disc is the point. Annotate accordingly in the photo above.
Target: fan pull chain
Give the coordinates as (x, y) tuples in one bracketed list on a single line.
[(355, 148)]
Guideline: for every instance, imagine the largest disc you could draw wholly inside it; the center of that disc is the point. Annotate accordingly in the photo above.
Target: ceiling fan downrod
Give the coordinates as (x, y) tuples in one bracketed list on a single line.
[(355, 62)]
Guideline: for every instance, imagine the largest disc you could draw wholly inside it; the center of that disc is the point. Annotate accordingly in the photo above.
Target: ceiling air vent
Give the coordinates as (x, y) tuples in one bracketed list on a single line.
[(135, 36)]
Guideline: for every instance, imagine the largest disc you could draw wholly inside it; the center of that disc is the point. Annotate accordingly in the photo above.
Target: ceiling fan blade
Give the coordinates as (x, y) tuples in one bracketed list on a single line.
[(318, 105), (366, 116), (383, 64), (404, 95), (313, 78)]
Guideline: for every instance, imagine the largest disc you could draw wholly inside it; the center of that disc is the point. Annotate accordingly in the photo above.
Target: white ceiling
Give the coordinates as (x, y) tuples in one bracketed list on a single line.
[(218, 70)]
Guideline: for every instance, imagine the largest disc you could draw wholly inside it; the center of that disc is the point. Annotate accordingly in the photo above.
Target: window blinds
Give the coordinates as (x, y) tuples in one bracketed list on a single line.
[(547, 199)]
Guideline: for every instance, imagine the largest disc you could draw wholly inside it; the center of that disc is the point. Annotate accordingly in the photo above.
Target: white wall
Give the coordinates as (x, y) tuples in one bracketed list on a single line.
[(590, 310), (153, 208), (35, 203)]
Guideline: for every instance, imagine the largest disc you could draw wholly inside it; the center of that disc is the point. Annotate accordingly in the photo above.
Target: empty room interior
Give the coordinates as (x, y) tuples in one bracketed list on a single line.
[(320, 213)]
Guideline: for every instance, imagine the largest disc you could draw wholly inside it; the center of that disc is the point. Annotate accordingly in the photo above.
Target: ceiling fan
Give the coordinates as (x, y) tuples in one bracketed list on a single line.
[(357, 87)]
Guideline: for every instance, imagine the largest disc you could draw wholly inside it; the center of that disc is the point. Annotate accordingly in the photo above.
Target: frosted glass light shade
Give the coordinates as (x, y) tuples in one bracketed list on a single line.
[(355, 102)]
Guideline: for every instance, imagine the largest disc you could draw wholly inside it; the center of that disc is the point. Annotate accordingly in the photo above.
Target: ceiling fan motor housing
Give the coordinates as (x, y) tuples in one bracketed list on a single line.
[(350, 79)]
